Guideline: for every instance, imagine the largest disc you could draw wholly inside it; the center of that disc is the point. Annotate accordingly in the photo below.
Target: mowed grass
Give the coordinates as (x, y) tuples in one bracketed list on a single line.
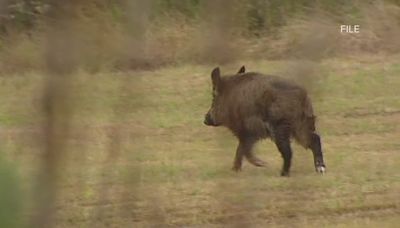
[(139, 155)]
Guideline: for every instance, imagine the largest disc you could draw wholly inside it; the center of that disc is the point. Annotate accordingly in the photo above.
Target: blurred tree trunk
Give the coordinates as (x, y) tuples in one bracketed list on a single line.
[(61, 63)]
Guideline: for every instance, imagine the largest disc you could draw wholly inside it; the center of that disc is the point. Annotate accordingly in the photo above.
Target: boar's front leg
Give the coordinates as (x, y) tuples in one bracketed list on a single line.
[(244, 148), (256, 129), (254, 160)]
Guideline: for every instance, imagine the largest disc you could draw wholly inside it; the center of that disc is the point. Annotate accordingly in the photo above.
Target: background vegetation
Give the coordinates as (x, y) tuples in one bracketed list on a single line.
[(123, 35), (102, 104)]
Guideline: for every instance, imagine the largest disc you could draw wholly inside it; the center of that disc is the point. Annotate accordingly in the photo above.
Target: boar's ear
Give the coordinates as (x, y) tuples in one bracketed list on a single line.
[(216, 77), (242, 70)]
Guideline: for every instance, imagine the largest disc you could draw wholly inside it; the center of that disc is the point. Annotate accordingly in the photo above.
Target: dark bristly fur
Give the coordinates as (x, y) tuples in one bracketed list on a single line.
[(255, 106)]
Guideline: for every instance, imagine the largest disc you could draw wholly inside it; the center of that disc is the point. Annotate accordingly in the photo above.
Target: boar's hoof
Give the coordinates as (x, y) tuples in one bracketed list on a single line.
[(257, 162), (285, 174), (320, 169), (237, 168)]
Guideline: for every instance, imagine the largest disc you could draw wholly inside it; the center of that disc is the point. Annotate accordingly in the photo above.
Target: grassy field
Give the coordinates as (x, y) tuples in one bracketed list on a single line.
[(139, 155)]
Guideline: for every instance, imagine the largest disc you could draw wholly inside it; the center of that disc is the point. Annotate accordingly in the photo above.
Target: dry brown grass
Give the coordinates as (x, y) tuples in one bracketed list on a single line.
[(317, 35), (138, 154)]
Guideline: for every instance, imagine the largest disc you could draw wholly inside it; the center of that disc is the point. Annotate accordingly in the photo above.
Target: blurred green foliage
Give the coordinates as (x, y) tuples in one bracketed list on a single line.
[(258, 15), (10, 196)]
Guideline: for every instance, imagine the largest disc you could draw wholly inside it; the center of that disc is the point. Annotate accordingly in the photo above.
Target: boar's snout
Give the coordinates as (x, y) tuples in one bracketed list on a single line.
[(208, 120)]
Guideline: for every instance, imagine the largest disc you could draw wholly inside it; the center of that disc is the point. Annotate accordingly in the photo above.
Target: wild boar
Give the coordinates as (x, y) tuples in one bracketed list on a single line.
[(256, 106)]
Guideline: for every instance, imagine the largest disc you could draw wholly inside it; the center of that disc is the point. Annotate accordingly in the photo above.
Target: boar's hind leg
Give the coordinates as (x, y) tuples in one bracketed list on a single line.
[(315, 146), (282, 141), (245, 146)]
